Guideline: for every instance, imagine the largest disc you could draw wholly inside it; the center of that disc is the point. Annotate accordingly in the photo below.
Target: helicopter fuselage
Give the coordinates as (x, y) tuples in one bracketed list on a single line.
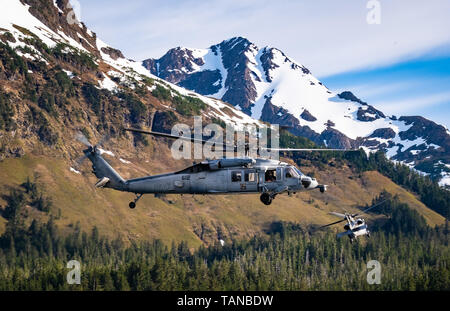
[(229, 175), (240, 179), (354, 228)]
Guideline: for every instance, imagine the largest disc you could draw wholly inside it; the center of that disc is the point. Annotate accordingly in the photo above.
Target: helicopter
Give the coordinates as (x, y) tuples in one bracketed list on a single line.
[(239, 175), (356, 226)]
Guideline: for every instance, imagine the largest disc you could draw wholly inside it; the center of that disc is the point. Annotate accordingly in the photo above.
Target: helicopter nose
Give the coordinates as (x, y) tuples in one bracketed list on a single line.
[(305, 181), (308, 182)]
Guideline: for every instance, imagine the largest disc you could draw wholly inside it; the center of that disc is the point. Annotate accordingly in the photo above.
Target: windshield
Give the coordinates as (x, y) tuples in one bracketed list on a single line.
[(292, 173), (298, 171)]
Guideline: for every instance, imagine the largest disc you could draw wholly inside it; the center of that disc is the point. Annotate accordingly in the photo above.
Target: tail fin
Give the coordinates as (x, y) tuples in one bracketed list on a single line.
[(108, 177)]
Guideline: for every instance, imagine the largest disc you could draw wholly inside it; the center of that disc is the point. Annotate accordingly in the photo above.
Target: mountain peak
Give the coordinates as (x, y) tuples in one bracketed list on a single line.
[(235, 46), (221, 69), (236, 40)]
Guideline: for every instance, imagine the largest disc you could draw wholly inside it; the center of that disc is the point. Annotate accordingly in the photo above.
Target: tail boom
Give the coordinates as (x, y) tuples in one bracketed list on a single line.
[(108, 177)]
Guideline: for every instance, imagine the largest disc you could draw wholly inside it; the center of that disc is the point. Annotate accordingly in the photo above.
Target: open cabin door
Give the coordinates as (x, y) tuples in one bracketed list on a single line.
[(251, 180), (242, 180)]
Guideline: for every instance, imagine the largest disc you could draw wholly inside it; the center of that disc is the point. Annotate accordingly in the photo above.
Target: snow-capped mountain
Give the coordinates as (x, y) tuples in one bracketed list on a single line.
[(262, 84), (33, 27), (268, 85)]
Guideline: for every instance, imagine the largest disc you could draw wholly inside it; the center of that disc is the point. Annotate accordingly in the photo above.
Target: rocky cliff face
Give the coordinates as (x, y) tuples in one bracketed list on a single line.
[(57, 77), (217, 71), (268, 85)]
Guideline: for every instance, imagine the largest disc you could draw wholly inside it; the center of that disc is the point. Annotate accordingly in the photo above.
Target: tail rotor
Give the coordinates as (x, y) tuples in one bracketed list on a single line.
[(82, 139), (90, 148)]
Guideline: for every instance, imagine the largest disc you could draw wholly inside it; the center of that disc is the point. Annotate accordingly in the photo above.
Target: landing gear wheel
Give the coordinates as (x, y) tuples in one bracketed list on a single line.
[(266, 198), (133, 203)]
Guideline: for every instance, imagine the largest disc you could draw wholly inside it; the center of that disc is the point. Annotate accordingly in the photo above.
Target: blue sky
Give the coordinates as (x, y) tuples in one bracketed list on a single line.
[(401, 65), (416, 87)]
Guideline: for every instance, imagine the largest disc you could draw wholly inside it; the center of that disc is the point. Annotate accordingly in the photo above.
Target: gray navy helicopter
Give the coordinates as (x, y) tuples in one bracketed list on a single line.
[(356, 226), (220, 176)]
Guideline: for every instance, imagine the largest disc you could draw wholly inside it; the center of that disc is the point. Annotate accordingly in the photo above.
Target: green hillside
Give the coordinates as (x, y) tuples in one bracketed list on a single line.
[(196, 219)]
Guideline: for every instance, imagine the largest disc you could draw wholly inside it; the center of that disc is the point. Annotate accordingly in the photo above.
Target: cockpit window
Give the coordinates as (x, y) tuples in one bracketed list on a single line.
[(298, 171), (290, 172)]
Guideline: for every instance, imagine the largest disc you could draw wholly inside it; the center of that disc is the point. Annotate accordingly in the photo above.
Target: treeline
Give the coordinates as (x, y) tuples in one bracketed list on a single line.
[(290, 257)]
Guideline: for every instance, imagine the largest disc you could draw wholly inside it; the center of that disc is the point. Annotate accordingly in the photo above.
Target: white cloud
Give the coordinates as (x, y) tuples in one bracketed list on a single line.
[(410, 104), (329, 37)]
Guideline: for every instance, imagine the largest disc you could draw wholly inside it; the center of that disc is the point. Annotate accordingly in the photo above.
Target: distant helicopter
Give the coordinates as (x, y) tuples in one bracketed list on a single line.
[(220, 176), (355, 226)]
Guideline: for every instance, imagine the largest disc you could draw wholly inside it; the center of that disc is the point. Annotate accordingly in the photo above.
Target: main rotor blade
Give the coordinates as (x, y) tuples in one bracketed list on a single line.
[(82, 139), (225, 146), (166, 135), (337, 214), (369, 208), (333, 223), (305, 149)]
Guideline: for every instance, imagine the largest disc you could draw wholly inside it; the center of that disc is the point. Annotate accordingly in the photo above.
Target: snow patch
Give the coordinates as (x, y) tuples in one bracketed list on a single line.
[(445, 180), (56, 5), (102, 151), (75, 171), (69, 73), (108, 84)]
